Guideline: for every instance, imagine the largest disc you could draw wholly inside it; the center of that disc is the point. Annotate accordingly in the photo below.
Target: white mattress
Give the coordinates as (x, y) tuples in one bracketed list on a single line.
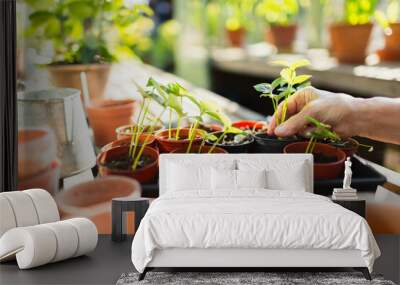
[(252, 219)]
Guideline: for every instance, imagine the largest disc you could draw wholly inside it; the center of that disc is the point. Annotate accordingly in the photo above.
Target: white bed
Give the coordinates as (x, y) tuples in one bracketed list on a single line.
[(201, 223)]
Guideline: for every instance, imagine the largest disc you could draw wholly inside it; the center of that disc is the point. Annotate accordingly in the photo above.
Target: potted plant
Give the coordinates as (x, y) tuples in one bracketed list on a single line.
[(86, 36), (136, 160), (170, 97), (355, 24), (323, 134), (237, 20), (280, 17), (328, 160), (390, 22), (279, 91), (232, 139)]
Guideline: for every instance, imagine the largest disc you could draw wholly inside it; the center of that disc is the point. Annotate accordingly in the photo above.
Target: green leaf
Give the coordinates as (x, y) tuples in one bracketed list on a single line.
[(299, 63), (81, 9), (263, 87), (288, 75), (40, 18), (234, 130), (301, 79), (276, 83), (53, 27)]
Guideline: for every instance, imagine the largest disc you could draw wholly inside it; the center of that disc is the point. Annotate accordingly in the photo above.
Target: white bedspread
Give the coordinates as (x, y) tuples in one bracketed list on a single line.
[(250, 219)]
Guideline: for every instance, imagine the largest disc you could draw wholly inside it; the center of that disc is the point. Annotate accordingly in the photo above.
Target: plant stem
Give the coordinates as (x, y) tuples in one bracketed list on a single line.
[(151, 129), (192, 135), (217, 141), (169, 124), (136, 126)]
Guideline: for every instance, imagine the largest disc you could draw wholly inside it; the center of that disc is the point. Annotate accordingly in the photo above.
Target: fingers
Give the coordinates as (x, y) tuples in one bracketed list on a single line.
[(294, 105), (295, 124)]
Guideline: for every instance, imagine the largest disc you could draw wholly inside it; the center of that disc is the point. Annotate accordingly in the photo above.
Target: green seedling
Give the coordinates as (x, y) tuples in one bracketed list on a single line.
[(284, 86)]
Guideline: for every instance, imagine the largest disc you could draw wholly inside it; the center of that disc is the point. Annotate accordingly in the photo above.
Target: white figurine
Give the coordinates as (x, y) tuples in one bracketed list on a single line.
[(347, 174)]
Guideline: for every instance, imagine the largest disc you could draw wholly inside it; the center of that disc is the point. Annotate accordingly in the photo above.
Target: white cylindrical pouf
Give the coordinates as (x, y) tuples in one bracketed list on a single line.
[(67, 239), (23, 208), (45, 205), (7, 218), (34, 246), (87, 234)]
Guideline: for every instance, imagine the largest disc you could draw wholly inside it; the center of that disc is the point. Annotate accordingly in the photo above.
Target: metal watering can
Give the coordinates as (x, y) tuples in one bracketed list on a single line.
[(60, 110)]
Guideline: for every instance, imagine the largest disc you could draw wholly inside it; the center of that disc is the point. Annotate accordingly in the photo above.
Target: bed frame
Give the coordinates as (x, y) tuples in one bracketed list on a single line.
[(242, 259)]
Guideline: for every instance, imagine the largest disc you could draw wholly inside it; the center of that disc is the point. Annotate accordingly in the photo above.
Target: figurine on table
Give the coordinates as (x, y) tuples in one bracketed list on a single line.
[(346, 193)]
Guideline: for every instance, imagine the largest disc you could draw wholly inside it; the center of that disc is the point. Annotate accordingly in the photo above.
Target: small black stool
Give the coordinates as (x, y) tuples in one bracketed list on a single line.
[(122, 205)]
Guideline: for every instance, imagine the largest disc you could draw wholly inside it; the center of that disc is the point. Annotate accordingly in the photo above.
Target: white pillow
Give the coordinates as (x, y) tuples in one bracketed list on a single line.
[(251, 178), (281, 174), (184, 176), (223, 179)]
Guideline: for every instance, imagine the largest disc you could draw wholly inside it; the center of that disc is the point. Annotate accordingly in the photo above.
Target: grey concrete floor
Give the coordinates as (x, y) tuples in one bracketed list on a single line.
[(102, 266)]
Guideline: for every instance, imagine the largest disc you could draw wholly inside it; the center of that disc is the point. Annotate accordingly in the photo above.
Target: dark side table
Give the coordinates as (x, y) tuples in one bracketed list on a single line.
[(356, 206), (119, 208)]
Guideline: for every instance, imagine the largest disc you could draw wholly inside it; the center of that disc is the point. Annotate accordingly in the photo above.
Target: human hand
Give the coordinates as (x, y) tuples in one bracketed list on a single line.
[(336, 110)]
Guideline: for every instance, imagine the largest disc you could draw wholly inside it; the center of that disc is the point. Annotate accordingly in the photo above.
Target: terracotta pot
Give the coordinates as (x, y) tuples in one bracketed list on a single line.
[(127, 130), (349, 42), (250, 125), (168, 145), (282, 36), (143, 175), (391, 51), (236, 37), (239, 148), (149, 139), (322, 170), (37, 150), (69, 76), (204, 149), (48, 179), (107, 115), (350, 148), (93, 199)]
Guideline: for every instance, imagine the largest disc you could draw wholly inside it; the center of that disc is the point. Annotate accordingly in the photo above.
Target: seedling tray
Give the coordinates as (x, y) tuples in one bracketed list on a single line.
[(364, 179)]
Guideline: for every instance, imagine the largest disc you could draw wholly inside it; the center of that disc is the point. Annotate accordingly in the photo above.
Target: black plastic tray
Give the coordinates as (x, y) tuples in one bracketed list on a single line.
[(365, 178)]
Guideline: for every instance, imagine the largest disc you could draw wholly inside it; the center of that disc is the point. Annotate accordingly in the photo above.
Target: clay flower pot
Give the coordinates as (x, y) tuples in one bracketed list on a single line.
[(144, 174), (37, 150), (349, 42), (47, 179), (236, 37), (282, 36), (250, 125), (93, 199), (204, 149), (149, 139), (391, 51), (328, 170), (107, 115), (69, 76), (243, 147), (264, 143), (127, 130), (168, 145)]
